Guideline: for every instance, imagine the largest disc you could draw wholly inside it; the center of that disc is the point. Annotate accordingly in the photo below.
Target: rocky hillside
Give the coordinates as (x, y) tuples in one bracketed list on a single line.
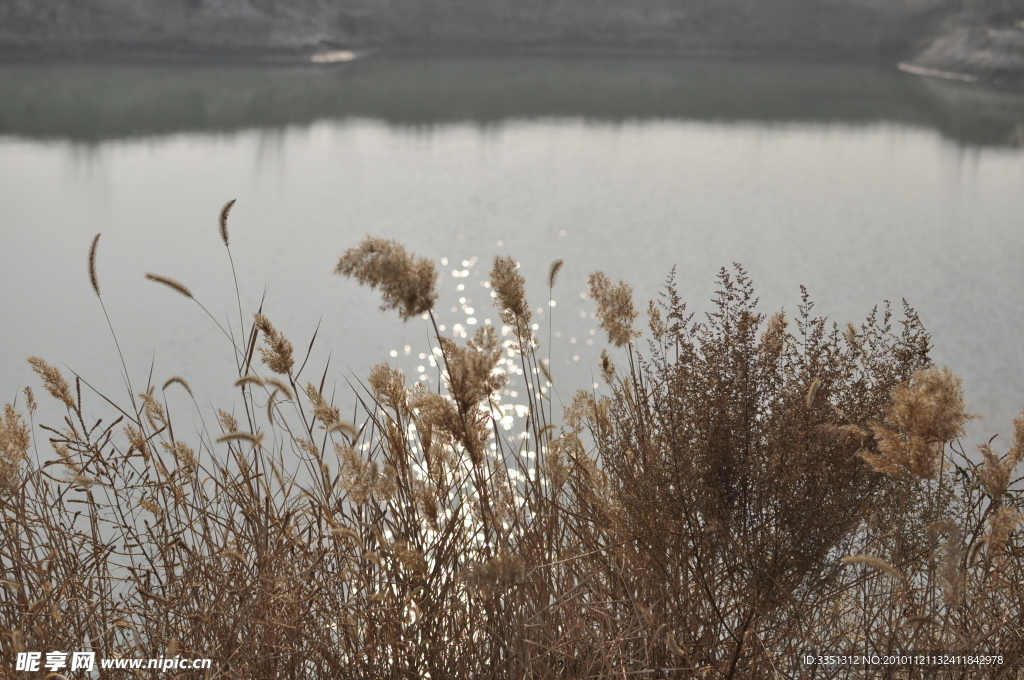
[(295, 29), (843, 28)]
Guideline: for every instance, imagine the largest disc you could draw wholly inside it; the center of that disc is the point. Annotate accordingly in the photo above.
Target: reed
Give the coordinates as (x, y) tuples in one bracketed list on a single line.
[(743, 490)]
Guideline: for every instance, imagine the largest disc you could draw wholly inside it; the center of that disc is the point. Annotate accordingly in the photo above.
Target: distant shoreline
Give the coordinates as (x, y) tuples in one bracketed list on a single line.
[(330, 56), (971, 40)]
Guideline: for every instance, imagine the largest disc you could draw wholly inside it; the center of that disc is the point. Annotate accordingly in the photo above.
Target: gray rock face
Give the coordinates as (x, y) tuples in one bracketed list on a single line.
[(984, 52), (840, 29)]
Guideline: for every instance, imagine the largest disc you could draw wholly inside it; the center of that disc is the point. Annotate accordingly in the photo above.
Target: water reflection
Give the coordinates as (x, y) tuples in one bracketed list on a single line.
[(98, 102)]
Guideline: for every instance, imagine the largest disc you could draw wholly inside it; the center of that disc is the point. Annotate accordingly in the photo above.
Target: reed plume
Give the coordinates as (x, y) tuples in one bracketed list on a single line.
[(322, 410), (15, 440), (510, 288), (614, 308), (995, 473), (53, 381), (406, 282), (388, 385), (30, 400), (926, 413), (1000, 526), (277, 355), (655, 322), (182, 453)]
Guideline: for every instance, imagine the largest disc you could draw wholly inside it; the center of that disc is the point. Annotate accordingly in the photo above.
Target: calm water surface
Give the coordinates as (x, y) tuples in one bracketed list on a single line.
[(862, 183)]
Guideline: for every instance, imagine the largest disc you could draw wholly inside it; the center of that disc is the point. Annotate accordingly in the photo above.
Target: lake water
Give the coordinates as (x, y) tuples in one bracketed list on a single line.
[(860, 182)]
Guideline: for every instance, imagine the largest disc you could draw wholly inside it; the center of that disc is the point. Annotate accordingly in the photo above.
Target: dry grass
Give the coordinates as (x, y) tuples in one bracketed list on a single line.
[(740, 492)]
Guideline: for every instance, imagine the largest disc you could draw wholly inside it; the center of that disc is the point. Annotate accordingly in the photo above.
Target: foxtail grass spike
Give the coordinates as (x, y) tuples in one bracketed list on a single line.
[(224, 220), (92, 265), (170, 283), (179, 381), (556, 267)]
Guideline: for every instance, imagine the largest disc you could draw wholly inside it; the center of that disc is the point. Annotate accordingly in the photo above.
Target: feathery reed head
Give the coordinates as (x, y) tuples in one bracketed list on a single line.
[(227, 421), (1000, 526), (182, 453), (92, 265), (388, 385), (655, 322), (471, 368), (15, 439), (471, 380), (322, 410), (223, 222), (154, 410), (363, 480), (510, 292), (614, 307), (170, 283), (926, 413), (53, 381), (774, 336), (1016, 453), (607, 367), (406, 282), (995, 472), (277, 355), (30, 400)]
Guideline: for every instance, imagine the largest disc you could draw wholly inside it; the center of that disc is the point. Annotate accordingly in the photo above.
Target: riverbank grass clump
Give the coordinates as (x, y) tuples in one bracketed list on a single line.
[(742, 493)]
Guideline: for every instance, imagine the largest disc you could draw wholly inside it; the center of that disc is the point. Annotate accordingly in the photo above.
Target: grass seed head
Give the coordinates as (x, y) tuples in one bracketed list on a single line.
[(510, 297), (92, 265), (553, 270), (995, 472), (388, 385), (1000, 525), (277, 355), (53, 381), (406, 282), (322, 410), (178, 381), (614, 307), (170, 283), (15, 440), (223, 221), (926, 413)]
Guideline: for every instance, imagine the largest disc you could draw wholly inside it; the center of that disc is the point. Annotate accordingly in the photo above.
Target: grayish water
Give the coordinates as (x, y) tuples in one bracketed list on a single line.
[(862, 183)]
